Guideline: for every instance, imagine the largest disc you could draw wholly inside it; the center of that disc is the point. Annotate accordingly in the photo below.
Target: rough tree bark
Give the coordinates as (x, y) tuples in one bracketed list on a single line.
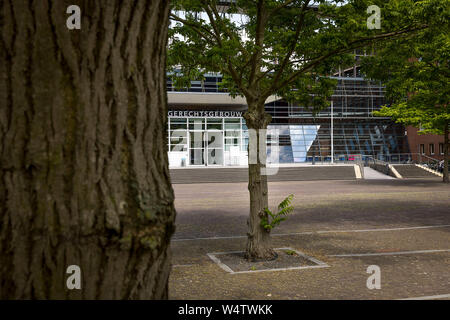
[(84, 176), (446, 147), (258, 239)]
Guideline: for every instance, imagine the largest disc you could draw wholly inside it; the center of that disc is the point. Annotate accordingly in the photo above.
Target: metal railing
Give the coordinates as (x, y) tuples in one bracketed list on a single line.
[(381, 166), (346, 87), (198, 86), (407, 158), (397, 158), (342, 159)]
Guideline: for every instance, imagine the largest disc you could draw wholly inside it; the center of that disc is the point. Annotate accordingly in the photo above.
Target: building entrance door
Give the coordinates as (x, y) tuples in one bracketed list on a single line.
[(197, 148), (206, 148), (214, 148)]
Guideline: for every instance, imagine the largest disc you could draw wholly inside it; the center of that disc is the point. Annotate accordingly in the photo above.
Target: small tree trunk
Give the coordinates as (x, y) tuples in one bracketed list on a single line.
[(258, 241), (446, 147), (84, 176)]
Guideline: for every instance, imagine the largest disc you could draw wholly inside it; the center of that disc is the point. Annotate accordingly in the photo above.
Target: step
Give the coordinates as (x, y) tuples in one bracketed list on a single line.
[(413, 171), (234, 175), (430, 170)]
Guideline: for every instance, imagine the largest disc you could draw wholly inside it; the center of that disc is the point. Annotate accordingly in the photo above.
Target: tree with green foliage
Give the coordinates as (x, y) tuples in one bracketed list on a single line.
[(276, 47), (84, 176), (417, 77)]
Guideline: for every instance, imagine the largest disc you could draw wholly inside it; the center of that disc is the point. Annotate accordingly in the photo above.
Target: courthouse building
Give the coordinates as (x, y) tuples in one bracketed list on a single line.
[(206, 125)]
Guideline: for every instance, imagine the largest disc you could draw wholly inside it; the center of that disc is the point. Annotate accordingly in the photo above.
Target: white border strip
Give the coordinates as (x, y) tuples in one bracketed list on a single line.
[(320, 264), (388, 253), (395, 172), (439, 296), (316, 232), (219, 263), (358, 174), (430, 170), (281, 269), (385, 229)]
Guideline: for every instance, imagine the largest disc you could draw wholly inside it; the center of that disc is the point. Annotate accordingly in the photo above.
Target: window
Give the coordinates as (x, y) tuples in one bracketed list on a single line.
[(214, 124), (178, 134), (232, 124), (431, 148), (441, 148), (197, 124), (422, 149)]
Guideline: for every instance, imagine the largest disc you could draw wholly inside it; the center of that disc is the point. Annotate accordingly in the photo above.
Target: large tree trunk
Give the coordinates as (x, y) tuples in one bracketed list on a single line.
[(258, 241), (84, 176), (446, 147)]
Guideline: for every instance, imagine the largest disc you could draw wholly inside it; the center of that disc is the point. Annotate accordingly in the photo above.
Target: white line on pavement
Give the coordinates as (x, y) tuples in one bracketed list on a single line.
[(317, 232), (439, 296), (386, 229), (387, 253)]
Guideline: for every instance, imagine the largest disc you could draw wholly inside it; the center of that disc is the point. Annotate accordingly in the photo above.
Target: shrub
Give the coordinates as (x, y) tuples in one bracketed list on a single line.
[(271, 220)]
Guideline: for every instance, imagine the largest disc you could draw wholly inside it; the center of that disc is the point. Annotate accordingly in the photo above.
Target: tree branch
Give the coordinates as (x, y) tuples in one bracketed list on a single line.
[(234, 74), (282, 6), (259, 41), (197, 28), (356, 44), (216, 35), (293, 45), (227, 31)]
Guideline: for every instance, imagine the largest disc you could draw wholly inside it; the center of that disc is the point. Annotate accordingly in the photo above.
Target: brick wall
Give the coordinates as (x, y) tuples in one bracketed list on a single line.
[(415, 140)]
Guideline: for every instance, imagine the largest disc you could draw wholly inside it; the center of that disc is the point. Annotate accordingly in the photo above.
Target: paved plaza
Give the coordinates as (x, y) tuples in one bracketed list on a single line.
[(402, 226)]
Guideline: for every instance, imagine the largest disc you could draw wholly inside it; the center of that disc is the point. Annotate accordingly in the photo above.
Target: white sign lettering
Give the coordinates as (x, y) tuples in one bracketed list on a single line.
[(205, 114)]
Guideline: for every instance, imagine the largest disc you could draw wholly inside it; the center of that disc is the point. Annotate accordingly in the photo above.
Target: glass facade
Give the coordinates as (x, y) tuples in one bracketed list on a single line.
[(308, 142), (354, 98), (299, 134), (207, 141)]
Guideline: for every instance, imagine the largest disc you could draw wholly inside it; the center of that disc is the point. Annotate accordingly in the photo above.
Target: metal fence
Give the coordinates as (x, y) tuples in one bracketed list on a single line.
[(398, 158)]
